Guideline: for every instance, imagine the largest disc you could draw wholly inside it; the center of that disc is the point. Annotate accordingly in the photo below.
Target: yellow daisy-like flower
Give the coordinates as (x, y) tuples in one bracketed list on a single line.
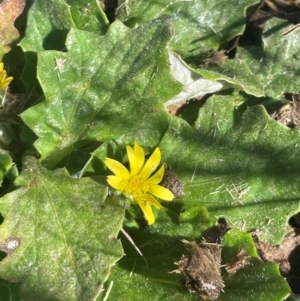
[(4, 81), (138, 185)]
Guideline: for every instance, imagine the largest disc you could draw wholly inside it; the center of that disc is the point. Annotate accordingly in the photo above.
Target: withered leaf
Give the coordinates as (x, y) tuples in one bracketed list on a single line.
[(216, 58), (214, 234), (289, 114), (12, 105), (173, 183), (200, 269), (238, 262)]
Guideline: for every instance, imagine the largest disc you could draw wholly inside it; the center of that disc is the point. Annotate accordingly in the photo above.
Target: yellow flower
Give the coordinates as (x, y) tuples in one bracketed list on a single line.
[(4, 81), (137, 184)]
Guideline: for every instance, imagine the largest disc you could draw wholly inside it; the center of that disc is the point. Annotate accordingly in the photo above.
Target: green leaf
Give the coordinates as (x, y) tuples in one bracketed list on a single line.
[(257, 280), (93, 98), (150, 279), (48, 24), (9, 291), (95, 166), (88, 16), (277, 65), (269, 71), (293, 298), (242, 168), (6, 164), (237, 73), (199, 25), (49, 21), (64, 235)]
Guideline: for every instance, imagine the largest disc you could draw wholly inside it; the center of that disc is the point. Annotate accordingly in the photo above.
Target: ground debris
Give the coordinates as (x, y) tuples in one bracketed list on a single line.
[(286, 254), (267, 9), (238, 262), (200, 269), (214, 234), (11, 106), (173, 183), (289, 114), (284, 9), (216, 58)]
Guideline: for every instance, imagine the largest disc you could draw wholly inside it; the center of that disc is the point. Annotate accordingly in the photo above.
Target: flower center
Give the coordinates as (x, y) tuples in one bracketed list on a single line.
[(136, 187)]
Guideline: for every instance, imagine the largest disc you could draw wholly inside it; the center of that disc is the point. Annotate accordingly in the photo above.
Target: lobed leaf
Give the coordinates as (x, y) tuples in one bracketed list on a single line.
[(62, 236), (106, 87), (200, 25), (270, 71), (150, 279), (243, 168)]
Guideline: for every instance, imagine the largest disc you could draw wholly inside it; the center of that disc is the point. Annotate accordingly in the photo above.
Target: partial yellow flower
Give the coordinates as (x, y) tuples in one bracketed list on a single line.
[(138, 184), (4, 81)]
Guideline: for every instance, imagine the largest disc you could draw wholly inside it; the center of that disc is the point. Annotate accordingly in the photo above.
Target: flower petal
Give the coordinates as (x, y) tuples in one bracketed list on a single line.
[(147, 210), (136, 157), (161, 192), (117, 168), (1, 66), (152, 200), (151, 164), (157, 177), (2, 76), (117, 182), (132, 160), (6, 82), (140, 155)]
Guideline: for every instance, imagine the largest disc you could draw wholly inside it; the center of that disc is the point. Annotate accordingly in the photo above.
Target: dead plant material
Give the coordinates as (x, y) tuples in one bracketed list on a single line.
[(289, 114), (238, 262), (173, 183), (282, 4), (214, 234), (12, 106), (216, 58), (295, 27), (174, 109), (200, 269), (177, 108), (284, 9)]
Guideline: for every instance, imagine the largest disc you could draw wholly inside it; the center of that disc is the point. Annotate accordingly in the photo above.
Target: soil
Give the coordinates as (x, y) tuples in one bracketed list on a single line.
[(286, 254)]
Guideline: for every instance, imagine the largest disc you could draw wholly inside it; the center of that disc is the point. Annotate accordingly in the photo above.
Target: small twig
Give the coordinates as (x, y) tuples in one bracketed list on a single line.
[(131, 241), (134, 245), (297, 26)]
